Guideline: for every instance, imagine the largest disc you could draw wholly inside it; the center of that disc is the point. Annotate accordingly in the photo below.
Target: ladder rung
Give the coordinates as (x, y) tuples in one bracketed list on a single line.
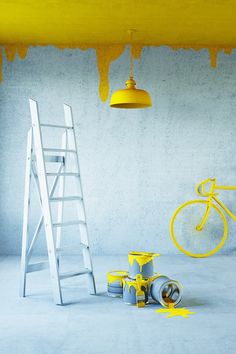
[(69, 223), (59, 150), (70, 275), (71, 248), (36, 266), (63, 174), (65, 199), (51, 158), (56, 126)]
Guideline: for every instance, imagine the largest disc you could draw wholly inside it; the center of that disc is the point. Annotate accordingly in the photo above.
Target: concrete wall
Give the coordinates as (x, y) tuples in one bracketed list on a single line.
[(137, 165)]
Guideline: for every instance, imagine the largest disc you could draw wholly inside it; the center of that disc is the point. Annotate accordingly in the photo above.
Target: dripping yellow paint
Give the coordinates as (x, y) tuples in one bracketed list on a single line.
[(105, 55), (141, 258)]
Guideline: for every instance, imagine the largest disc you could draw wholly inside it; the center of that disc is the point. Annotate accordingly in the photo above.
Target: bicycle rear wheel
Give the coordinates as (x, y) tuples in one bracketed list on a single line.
[(189, 240)]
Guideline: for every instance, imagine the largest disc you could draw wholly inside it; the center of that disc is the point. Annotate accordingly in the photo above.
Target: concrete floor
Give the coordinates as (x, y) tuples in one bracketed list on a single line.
[(100, 325)]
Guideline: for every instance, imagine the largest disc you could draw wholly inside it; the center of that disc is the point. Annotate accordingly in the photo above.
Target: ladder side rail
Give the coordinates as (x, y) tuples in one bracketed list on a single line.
[(45, 202), (60, 210), (80, 205), (26, 214)]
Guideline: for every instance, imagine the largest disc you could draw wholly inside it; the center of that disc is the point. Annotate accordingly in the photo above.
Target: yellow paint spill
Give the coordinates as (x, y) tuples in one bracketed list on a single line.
[(0, 64), (105, 55), (116, 275), (141, 258), (174, 312)]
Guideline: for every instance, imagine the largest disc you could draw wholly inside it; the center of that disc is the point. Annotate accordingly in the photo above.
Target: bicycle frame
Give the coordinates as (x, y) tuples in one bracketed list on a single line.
[(212, 196)]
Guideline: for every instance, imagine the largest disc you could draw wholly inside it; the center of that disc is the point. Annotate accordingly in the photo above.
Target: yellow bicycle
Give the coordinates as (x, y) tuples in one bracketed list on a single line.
[(199, 227)]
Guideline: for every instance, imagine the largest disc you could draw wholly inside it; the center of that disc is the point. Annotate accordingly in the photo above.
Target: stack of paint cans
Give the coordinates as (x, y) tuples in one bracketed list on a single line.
[(141, 273), (141, 283)]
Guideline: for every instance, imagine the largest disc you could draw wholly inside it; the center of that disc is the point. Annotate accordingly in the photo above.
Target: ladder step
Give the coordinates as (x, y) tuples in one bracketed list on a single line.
[(63, 174), (71, 248), (59, 150), (50, 158), (56, 126), (70, 275), (34, 267), (65, 199), (69, 223)]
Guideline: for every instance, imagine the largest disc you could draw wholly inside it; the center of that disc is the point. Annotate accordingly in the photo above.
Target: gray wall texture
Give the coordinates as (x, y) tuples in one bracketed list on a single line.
[(137, 165)]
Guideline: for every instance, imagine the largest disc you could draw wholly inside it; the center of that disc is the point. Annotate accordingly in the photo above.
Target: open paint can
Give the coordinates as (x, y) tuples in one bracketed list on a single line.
[(141, 263), (166, 291), (115, 282), (131, 290)]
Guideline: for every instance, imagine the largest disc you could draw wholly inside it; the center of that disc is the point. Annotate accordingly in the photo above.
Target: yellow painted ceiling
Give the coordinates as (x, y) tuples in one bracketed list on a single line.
[(171, 22)]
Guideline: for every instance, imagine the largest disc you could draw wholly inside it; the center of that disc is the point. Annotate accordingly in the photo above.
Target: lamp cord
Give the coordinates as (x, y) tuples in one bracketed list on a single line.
[(131, 62)]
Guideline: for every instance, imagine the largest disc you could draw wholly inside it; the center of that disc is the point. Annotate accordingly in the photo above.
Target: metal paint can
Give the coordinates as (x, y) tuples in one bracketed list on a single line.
[(130, 287), (166, 291), (141, 263), (115, 282)]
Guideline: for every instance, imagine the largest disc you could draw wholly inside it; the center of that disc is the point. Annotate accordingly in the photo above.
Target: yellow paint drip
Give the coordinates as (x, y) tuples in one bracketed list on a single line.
[(174, 312), (10, 52), (105, 55), (141, 258), (22, 50), (213, 56), (108, 53), (135, 283), (116, 275), (0, 64), (155, 276), (136, 50)]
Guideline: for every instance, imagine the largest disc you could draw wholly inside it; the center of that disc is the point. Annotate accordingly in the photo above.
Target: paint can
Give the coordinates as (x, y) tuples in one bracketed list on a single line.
[(141, 263), (166, 291), (115, 282), (135, 290)]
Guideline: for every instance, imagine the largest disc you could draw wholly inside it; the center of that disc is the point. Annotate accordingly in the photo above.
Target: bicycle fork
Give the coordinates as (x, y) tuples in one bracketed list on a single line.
[(200, 226)]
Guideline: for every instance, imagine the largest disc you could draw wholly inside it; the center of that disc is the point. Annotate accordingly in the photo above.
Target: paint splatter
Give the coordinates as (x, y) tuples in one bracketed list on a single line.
[(173, 312)]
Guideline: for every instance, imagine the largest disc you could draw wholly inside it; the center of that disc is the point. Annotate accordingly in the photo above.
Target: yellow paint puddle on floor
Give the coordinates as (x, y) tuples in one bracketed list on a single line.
[(174, 312)]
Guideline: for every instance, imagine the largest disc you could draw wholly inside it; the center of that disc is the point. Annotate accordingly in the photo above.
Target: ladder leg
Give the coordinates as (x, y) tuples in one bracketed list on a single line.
[(88, 265), (24, 258), (46, 209), (60, 209), (80, 205)]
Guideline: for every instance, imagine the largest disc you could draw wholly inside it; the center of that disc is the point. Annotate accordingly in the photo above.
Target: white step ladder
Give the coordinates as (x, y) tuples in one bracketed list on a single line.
[(37, 161)]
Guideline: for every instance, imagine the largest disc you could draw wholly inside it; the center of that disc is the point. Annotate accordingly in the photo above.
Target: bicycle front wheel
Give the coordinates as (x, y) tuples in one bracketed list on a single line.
[(185, 232)]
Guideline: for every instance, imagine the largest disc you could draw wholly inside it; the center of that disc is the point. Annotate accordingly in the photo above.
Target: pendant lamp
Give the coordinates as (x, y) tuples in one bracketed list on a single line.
[(130, 97)]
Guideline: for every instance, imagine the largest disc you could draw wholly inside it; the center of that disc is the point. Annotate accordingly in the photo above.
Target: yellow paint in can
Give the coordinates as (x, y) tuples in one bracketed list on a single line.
[(116, 275)]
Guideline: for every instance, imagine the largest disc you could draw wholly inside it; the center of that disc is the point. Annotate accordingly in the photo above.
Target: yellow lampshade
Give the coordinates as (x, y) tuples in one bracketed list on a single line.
[(130, 97)]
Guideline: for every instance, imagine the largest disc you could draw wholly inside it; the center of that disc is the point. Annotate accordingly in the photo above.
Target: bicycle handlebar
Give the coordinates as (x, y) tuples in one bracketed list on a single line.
[(201, 185)]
